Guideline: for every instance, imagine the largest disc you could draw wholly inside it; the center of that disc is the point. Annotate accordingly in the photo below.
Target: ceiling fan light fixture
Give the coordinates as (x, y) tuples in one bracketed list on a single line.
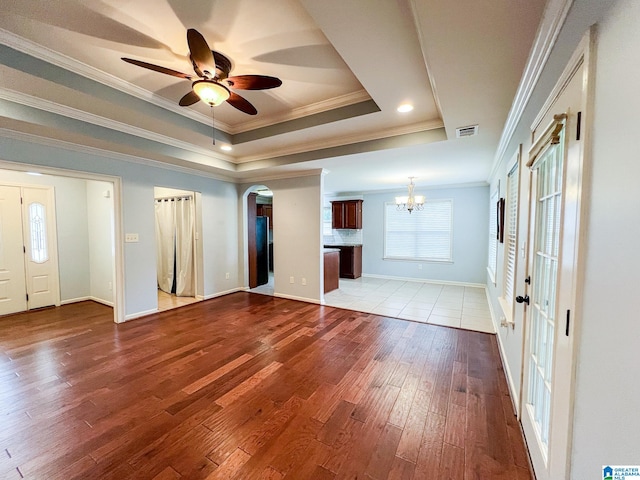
[(210, 92)]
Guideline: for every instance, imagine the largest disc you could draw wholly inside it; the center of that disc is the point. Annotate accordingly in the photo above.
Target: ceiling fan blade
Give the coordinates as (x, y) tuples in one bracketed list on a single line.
[(241, 104), (201, 54), (157, 68), (189, 99), (253, 82)]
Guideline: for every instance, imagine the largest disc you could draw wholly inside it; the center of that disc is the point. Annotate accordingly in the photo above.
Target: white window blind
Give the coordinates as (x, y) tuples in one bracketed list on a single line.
[(493, 234), (420, 235), (510, 238)]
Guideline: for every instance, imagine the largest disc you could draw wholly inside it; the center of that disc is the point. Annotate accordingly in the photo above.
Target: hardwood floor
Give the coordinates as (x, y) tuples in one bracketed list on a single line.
[(248, 386)]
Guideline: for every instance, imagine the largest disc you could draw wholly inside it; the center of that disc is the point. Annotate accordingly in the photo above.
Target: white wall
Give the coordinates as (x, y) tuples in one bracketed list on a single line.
[(606, 427), (297, 236), (607, 424), (72, 229), (220, 222), (101, 240), (470, 237)]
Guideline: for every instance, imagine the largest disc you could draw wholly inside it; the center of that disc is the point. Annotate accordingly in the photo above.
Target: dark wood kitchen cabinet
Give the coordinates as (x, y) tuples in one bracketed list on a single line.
[(266, 210), (331, 269), (351, 261), (346, 214)]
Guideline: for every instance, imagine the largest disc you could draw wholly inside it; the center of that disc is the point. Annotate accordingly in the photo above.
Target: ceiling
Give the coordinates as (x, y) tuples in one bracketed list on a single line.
[(345, 67)]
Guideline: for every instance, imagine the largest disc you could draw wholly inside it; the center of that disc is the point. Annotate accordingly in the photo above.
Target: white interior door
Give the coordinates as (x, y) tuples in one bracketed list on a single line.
[(12, 276), (41, 253)]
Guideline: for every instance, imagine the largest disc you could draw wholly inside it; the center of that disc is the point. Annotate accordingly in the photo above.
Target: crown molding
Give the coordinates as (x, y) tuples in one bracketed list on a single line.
[(283, 175), (70, 112), (94, 151), (554, 16), (303, 111), (63, 61), (418, 187), (419, 29), (345, 140)]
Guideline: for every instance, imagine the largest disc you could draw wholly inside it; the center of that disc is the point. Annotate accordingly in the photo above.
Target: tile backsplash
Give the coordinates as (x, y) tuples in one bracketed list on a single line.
[(344, 237)]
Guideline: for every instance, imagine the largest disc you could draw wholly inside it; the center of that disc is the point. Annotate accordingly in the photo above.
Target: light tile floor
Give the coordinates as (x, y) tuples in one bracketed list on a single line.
[(439, 304)]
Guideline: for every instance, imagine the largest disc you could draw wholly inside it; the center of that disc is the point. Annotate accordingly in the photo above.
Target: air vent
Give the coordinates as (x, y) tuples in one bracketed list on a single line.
[(467, 131)]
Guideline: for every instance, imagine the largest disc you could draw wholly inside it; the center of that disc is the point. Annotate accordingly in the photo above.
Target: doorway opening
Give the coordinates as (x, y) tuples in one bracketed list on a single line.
[(68, 215), (260, 257), (177, 251)]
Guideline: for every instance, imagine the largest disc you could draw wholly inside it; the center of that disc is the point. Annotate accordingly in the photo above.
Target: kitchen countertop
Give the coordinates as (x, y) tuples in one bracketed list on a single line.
[(338, 245)]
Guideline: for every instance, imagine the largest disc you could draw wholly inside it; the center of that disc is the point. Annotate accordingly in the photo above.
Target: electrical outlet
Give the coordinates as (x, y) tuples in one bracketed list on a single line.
[(304, 281), (131, 237), (291, 280), (226, 275), (419, 266), (110, 286)]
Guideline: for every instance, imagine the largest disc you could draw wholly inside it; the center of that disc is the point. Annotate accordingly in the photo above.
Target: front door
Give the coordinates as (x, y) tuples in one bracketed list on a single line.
[(41, 260), (28, 251)]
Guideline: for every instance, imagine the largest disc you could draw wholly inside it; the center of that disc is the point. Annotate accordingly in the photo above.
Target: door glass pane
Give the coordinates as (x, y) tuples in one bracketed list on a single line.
[(543, 292), (38, 232)]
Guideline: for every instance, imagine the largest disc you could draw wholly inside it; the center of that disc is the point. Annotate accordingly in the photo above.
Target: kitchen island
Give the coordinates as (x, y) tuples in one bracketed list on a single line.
[(350, 260), (331, 269)]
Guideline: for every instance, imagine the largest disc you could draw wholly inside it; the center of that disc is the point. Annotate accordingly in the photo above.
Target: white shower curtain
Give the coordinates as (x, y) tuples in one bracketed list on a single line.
[(174, 250)]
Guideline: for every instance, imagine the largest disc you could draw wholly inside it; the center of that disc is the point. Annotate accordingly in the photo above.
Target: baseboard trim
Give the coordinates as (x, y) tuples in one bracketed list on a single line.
[(424, 280), (515, 400), (88, 298), (133, 316), (226, 292), (75, 300), (299, 299)]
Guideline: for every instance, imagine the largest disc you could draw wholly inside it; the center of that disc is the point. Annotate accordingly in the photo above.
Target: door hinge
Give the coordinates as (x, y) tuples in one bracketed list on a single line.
[(566, 331), (27, 295), (578, 127)]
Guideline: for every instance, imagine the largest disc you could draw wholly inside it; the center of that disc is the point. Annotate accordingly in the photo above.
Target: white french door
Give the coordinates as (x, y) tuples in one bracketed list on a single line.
[(556, 162), (28, 251), (546, 209)]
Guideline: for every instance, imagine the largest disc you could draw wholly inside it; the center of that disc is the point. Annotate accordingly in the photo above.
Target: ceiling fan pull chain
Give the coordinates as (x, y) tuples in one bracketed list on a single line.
[(213, 125)]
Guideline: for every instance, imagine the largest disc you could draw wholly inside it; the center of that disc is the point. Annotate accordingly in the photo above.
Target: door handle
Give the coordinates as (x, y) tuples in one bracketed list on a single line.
[(521, 299)]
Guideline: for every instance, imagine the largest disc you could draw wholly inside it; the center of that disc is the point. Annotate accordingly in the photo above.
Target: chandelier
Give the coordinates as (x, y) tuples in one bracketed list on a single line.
[(411, 201)]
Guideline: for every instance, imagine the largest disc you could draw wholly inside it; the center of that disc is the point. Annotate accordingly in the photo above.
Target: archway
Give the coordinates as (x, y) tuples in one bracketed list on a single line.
[(259, 225)]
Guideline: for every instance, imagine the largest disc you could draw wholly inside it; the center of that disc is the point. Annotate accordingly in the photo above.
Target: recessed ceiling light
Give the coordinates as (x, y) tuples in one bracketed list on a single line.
[(226, 148), (405, 107), (35, 174)]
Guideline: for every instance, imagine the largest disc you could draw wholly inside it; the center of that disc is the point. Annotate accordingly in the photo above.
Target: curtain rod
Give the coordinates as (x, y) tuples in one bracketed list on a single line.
[(177, 197)]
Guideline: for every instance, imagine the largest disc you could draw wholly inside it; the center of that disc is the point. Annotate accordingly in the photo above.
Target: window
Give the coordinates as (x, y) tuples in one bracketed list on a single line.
[(493, 234), (510, 237), (326, 221), (421, 235), (38, 227)]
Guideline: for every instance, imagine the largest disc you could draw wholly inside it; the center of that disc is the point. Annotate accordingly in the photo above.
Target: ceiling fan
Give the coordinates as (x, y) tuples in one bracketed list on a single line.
[(214, 83)]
